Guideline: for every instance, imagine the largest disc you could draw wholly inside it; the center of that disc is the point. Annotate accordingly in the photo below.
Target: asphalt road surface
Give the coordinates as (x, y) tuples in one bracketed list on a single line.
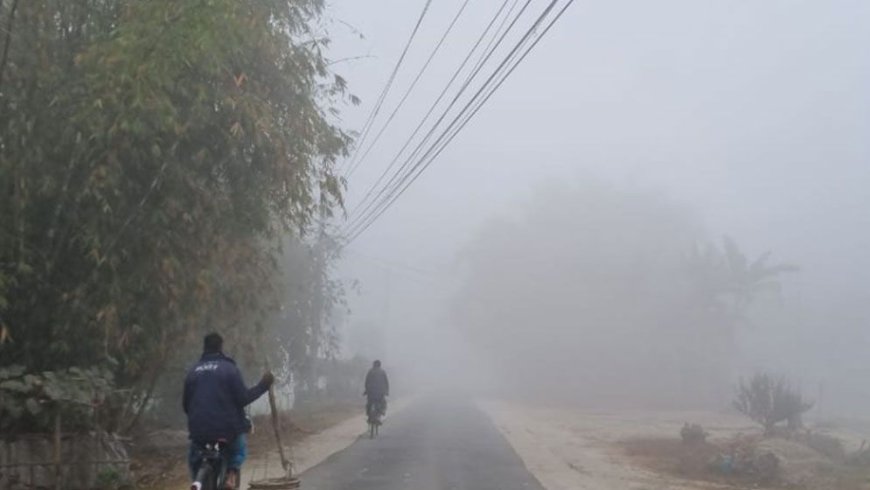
[(435, 444)]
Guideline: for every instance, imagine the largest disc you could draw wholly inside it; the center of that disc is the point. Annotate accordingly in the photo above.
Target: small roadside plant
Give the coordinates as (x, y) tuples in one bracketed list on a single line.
[(111, 479), (769, 400), (693, 434)]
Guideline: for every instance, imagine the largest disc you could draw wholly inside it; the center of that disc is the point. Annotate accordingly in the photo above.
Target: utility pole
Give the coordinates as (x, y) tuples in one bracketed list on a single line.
[(320, 265)]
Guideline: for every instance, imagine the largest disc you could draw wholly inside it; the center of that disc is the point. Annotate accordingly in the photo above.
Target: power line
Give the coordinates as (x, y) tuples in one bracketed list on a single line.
[(495, 36), (392, 77), (359, 160), (502, 80), (423, 166), (367, 206), (392, 263), (430, 111), (375, 207)]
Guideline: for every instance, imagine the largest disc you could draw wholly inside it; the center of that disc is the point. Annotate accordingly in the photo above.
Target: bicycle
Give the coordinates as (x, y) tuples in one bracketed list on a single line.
[(374, 424), (375, 418), (212, 471)]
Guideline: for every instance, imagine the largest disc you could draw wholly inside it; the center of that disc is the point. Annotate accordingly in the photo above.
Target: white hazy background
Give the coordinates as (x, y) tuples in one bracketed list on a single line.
[(751, 118)]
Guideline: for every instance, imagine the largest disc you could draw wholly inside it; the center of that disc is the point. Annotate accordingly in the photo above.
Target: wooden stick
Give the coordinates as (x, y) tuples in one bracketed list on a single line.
[(57, 452), (285, 463)]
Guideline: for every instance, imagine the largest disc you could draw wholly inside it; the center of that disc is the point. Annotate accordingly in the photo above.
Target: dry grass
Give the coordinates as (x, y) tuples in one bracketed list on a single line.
[(670, 456), (299, 423), (673, 457)]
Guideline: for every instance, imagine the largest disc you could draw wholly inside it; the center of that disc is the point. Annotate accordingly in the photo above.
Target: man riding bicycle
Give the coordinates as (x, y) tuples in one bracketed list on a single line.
[(215, 397), (377, 390)]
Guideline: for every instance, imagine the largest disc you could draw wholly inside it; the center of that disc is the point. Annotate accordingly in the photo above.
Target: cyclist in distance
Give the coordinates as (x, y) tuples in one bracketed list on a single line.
[(377, 389)]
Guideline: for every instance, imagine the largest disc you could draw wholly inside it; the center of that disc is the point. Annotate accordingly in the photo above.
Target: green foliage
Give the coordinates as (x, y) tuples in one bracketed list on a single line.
[(111, 479), (309, 297), (30, 401), (769, 400), (151, 155)]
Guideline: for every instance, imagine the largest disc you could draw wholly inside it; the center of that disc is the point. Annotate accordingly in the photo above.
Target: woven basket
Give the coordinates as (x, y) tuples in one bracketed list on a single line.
[(275, 484)]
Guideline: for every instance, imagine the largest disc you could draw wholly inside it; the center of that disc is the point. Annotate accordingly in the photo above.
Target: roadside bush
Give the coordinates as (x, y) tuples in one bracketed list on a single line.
[(111, 479), (769, 400), (29, 402), (693, 434)]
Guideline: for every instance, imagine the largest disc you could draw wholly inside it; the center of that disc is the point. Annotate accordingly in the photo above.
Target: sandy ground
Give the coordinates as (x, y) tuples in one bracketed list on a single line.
[(569, 449), (313, 449)]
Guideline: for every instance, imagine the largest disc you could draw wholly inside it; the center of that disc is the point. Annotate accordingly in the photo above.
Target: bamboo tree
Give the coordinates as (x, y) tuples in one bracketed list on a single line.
[(152, 154)]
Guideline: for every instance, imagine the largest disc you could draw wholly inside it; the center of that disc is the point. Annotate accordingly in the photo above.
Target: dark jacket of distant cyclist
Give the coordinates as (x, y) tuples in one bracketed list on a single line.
[(377, 384), (215, 397)]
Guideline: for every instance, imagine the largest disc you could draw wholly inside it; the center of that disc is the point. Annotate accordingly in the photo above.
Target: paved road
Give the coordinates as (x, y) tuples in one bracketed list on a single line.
[(432, 445)]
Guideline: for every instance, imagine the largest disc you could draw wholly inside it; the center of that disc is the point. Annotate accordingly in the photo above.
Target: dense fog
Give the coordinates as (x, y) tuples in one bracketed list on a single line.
[(567, 243), (591, 236)]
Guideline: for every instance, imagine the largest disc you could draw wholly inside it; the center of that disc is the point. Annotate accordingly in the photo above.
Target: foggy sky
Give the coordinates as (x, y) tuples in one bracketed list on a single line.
[(755, 114)]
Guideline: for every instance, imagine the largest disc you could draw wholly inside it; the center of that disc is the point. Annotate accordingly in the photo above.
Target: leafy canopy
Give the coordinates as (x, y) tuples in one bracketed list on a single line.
[(151, 155)]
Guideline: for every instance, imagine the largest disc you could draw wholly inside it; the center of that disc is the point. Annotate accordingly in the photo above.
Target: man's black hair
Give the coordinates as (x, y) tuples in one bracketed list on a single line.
[(212, 343), (377, 363)]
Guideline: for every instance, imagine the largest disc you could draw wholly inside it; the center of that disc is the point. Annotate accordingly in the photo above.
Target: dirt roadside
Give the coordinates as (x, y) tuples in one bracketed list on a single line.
[(567, 449), (574, 449)]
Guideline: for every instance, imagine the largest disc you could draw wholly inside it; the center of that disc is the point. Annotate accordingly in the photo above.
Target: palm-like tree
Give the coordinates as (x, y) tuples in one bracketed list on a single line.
[(724, 283), (748, 279), (728, 281)]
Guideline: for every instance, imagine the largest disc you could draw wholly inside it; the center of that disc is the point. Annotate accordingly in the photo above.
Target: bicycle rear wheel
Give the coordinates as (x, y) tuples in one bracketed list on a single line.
[(204, 479)]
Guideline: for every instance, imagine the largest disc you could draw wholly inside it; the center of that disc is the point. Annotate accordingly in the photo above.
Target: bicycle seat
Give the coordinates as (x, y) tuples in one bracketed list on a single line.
[(213, 449)]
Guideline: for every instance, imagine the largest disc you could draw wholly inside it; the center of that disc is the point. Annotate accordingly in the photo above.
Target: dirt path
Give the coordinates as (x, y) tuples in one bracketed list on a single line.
[(571, 450)]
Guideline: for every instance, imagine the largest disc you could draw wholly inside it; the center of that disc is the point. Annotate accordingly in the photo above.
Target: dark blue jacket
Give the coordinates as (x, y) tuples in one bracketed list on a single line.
[(377, 383), (215, 397)]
